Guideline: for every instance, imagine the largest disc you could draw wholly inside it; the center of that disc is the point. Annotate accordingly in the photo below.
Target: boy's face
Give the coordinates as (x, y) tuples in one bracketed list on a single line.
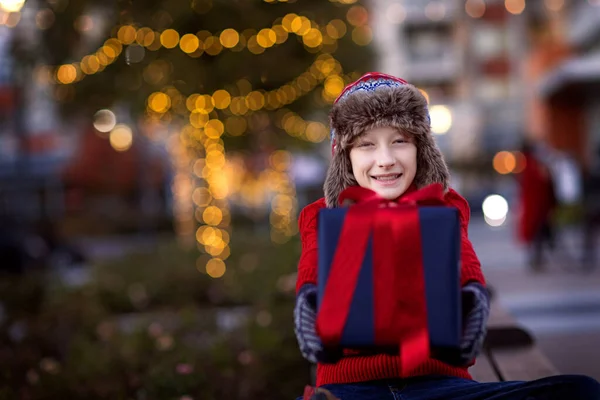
[(385, 161)]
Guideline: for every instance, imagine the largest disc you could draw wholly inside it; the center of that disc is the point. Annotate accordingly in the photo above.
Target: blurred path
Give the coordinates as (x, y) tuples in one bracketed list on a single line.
[(561, 306)]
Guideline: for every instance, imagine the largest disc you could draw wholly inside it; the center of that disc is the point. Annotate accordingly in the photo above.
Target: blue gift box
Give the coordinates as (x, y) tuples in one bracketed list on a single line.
[(440, 239)]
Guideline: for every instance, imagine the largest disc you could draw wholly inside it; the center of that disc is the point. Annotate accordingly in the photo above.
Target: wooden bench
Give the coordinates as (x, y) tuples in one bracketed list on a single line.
[(509, 352)]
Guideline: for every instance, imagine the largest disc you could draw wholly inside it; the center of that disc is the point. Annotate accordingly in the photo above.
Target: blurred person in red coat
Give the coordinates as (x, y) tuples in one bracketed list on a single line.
[(537, 202)]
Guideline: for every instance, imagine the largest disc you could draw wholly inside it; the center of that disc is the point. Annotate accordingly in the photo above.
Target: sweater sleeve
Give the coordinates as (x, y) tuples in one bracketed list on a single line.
[(470, 265), (307, 226)]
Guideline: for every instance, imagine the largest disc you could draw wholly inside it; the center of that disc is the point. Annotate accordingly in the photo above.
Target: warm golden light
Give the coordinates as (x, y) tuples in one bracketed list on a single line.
[(189, 43), (229, 38), (221, 99), (362, 35), (205, 102), (215, 268), (213, 129), (334, 85), (313, 38), (212, 46), (281, 33), (266, 38), (169, 38), (236, 126), (159, 102), (300, 25), (280, 160), (336, 28), (12, 5), (121, 137), (255, 100), (287, 21), (316, 132), (126, 34), (514, 6), (212, 215), (66, 74), (201, 196), (504, 162)]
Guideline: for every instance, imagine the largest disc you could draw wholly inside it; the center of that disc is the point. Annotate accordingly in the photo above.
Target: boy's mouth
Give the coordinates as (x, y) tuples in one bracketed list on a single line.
[(386, 177)]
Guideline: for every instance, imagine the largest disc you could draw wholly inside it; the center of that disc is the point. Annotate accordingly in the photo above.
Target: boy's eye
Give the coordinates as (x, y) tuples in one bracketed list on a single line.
[(364, 144), (402, 140)]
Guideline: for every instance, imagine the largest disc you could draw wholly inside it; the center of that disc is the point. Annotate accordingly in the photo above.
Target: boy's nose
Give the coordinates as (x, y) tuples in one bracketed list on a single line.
[(385, 159)]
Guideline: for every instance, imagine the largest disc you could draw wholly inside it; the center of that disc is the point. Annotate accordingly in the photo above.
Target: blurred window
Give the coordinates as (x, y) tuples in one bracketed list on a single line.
[(493, 88), (430, 44), (489, 41)]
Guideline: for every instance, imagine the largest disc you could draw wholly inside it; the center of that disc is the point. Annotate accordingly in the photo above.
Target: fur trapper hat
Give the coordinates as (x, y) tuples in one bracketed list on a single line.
[(373, 101)]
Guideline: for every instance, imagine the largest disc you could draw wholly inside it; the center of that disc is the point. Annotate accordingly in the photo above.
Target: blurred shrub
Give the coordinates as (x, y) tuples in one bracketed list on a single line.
[(152, 326)]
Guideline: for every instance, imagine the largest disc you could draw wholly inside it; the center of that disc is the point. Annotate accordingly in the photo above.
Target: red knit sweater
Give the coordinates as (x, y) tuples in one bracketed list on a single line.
[(356, 368)]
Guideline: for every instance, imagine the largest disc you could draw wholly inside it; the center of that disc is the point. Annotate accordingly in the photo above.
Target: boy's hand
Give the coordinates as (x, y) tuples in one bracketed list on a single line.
[(476, 311), (305, 318)]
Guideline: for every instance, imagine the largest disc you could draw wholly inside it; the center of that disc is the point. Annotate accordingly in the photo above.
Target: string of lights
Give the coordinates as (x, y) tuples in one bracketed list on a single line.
[(325, 69), (315, 38)]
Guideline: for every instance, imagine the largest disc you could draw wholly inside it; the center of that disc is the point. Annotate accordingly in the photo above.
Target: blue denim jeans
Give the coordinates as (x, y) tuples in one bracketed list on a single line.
[(567, 387)]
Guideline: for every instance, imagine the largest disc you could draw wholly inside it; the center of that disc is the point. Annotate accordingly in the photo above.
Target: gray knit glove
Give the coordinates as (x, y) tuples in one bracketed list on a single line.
[(476, 311), (305, 319)]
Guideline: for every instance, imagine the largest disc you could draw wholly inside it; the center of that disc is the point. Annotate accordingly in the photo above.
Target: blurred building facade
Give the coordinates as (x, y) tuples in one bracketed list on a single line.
[(467, 56), (505, 70), (567, 63)]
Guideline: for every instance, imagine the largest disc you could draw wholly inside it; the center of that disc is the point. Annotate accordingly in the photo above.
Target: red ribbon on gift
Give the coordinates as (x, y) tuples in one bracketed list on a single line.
[(400, 307)]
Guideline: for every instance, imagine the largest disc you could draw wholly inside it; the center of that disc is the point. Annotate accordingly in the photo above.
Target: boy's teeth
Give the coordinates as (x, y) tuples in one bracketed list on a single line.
[(386, 178)]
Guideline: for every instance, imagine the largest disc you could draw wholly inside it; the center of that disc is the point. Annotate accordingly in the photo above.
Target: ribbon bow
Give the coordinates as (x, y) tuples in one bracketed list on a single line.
[(399, 285)]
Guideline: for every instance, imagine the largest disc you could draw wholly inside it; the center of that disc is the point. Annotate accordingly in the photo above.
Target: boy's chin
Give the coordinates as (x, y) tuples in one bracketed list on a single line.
[(390, 193)]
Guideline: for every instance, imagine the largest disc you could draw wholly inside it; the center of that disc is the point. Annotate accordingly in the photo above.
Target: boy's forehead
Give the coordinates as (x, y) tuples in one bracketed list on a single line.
[(383, 129)]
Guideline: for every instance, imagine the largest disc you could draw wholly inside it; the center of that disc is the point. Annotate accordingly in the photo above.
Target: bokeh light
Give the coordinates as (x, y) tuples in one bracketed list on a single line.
[(441, 119), (12, 5), (126, 34), (396, 13), (495, 209), (521, 162), (121, 137), (66, 74), (159, 102), (229, 38), (475, 8), (514, 6), (357, 16), (215, 268), (504, 162), (362, 35), (169, 38), (44, 18), (189, 43), (336, 28), (104, 121)]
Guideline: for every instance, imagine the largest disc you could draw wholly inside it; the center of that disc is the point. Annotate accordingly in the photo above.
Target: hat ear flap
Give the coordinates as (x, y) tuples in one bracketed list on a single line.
[(339, 177), (431, 167)]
